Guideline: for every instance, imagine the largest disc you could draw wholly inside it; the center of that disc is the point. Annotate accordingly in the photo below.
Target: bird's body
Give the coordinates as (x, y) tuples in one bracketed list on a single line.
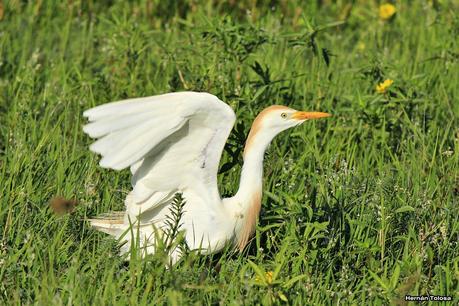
[(173, 144)]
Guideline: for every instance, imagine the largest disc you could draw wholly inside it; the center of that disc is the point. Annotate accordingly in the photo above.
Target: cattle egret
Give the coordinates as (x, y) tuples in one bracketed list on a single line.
[(173, 144)]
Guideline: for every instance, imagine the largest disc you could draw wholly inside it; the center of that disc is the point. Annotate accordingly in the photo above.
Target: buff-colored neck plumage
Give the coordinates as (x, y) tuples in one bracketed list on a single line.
[(251, 183)]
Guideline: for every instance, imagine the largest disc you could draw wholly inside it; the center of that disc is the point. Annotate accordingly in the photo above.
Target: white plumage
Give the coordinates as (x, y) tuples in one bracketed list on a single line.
[(173, 144)]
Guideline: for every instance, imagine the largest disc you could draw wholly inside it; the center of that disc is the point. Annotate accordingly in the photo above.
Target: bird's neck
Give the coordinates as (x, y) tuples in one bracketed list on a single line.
[(248, 197), (252, 170)]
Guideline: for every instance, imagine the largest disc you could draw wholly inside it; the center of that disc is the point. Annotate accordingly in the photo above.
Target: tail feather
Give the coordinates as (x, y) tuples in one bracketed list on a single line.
[(142, 236), (111, 223)]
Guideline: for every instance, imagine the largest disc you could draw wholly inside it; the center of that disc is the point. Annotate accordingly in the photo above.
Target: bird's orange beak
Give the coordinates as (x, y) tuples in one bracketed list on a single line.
[(309, 115)]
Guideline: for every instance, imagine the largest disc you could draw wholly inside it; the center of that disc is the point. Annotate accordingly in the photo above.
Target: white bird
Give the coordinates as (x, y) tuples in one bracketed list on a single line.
[(173, 144)]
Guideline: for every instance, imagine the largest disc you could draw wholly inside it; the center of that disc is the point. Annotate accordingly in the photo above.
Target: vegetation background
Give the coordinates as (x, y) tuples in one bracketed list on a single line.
[(361, 208)]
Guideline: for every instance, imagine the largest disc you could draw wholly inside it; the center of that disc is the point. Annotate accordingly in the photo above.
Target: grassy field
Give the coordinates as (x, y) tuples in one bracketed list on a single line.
[(361, 208)]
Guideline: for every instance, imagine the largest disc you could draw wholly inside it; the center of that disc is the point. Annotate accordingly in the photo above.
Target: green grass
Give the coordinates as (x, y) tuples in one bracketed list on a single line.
[(361, 208)]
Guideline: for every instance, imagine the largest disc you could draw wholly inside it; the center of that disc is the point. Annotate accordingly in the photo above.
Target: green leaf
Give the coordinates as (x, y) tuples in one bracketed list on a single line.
[(259, 271), (282, 297), (395, 277), (404, 209), (259, 92), (379, 280), (293, 280)]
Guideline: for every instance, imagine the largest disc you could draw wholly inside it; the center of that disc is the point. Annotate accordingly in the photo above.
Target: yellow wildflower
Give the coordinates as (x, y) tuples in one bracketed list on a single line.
[(382, 87), (386, 11), (268, 277), (361, 46)]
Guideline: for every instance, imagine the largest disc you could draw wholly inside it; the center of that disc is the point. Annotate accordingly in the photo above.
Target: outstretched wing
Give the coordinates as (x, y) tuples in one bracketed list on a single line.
[(171, 142)]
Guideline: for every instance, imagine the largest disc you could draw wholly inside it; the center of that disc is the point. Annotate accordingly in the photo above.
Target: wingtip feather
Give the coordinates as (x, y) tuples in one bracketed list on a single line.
[(105, 163), (87, 129)]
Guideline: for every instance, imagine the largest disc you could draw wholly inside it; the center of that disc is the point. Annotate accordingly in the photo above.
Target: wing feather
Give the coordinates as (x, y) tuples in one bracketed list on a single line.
[(130, 130), (157, 103), (122, 149), (112, 124), (172, 143)]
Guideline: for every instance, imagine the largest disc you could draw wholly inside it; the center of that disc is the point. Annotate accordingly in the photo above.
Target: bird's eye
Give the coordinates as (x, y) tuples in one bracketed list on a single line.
[(284, 115)]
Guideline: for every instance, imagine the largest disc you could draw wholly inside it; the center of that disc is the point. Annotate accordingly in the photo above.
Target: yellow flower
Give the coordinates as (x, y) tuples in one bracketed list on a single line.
[(386, 11), (382, 87), (268, 277), (361, 46)]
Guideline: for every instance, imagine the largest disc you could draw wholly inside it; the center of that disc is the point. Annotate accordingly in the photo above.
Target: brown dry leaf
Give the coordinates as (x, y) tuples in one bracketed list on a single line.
[(61, 206)]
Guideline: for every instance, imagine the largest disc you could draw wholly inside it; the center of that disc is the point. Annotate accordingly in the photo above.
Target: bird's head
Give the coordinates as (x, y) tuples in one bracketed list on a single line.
[(277, 118)]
